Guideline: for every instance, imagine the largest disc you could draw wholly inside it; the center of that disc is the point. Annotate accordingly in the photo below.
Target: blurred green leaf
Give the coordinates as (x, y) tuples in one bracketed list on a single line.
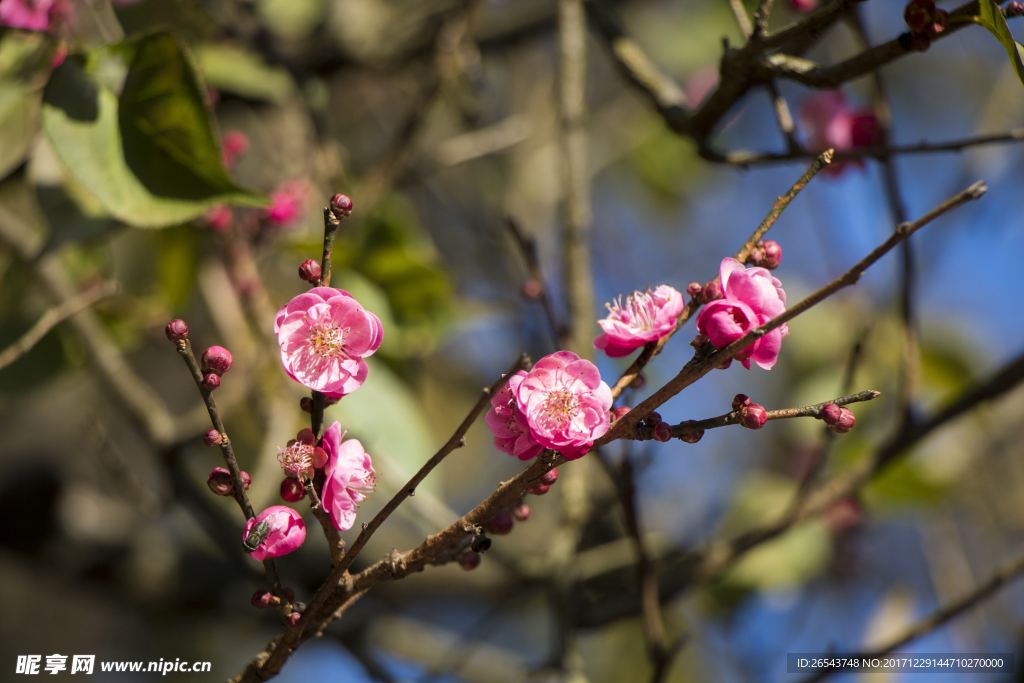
[(291, 19), (149, 156), (244, 73), (991, 17), (176, 265), (666, 164), (794, 558), (19, 121), (901, 486)]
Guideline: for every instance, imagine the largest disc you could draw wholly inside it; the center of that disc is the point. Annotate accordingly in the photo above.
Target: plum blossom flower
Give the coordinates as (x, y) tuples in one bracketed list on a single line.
[(286, 532), (831, 123), (350, 475), (565, 403), (288, 202), (324, 336), (752, 298), (234, 145), (508, 424), (643, 317)]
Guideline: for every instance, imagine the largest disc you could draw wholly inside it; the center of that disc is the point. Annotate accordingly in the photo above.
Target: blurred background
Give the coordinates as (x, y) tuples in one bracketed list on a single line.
[(440, 119)]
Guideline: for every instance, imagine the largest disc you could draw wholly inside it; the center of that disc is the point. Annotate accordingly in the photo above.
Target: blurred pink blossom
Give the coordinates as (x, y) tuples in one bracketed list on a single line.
[(508, 424), (752, 298), (324, 335), (349, 476), (288, 202), (565, 403), (804, 5), (234, 145), (219, 218), (643, 317), (31, 15), (830, 123), (287, 532)]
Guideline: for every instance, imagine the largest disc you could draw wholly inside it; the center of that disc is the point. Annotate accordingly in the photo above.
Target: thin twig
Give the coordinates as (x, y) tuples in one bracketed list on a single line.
[(742, 18), (527, 246), (335, 544), (54, 317)]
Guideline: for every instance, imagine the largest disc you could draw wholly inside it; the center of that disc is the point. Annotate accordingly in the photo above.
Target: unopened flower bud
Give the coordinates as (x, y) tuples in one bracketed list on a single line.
[(1014, 9), (724, 365), (539, 490), (532, 289), (638, 382), (261, 599), (653, 418), (294, 619), (618, 413), (756, 256), (692, 435), (306, 436), (216, 359), (694, 289), (918, 15), (521, 512), (176, 330), (319, 458), (220, 482), (306, 404), (310, 271), (211, 381), (920, 42), (500, 524), (940, 19), (753, 416), (549, 477), (846, 421), (712, 291), (662, 432), (740, 400), (469, 560), (341, 206), (292, 490), (288, 594), (772, 254), (212, 437), (330, 401), (830, 413)]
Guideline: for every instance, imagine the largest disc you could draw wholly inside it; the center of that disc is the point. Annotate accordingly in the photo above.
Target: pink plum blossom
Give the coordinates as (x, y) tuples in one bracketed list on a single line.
[(219, 218), (349, 476), (752, 298), (287, 532), (508, 424), (234, 145), (31, 15), (643, 317), (831, 123), (565, 403), (288, 202), (324, 336), (804, 5)]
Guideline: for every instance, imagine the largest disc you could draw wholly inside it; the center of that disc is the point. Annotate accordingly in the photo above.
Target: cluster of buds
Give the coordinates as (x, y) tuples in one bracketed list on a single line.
[(712, 291), (215, 361), (306, 403), (220, 482), (749, 414), (502, 523), (766, 254), (544, 483), (300, 457), (925, 22), (839, 420)]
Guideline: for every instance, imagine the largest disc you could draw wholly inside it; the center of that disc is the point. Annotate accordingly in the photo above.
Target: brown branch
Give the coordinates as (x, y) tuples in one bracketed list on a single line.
[(335, 544), (54, 317), (742, 18), (527, 246)]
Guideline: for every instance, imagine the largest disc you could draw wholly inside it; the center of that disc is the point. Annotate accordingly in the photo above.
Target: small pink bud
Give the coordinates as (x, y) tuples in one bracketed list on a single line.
[(756, 256), (653, 418), (469, 560), (500, 524), (712, 292), (306, 404), (220, 482), (176, 330), (539, 490), (532, 289), (521, 512), (319, 458), (261, 599), (618, 413), (772, 254), (211, 437), (692, 436), (918, 15), (292, 490), (216, 359), (219, 218), (306, 436), (830, 413), (246, 479), (211, 381), (753, 416), (294, 619), (310, 271), (846, 421), (694, 289), (549, 478), (740, 400), (662, 432), (638, 382), (341, 206)]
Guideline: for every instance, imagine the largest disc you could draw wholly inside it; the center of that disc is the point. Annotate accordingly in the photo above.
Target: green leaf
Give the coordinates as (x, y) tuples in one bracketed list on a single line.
[(149, 155), (244, 73), (19, 121), (177, 264), (991, 17)]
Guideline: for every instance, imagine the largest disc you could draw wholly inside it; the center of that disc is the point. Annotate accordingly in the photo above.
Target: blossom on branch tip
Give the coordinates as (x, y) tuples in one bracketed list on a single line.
[(508, 424), (324, 336), (350, 476), (752, 298), (286, 532), (643, 317), (565, 403)]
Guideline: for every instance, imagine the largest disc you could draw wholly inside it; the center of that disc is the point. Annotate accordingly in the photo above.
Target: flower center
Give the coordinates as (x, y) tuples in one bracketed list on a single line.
[(638, 310), (561, 406), (327, 340), (296, 458)]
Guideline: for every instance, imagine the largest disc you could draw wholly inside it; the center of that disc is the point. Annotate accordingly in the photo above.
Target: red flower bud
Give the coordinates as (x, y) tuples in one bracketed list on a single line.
[(846, 421), (1014, 9), (694, 289), (918, 15), (693, 435), (753, 416), (211, 381), (500, 524), (176, 330), (220, 482), (211, 437), (740, 400), (294, 619), (292, 490), (772, 254), (216, 359), (940, 19), (662, 432), (261, 599), (712, 292), (532, 289), (306, 404), (469, 560), (549, 477), (830, 413), (652, 418), (920, 42), (310, 271), (539, 490), (638, 382), (521, 512), (618, 413), (341, 206)]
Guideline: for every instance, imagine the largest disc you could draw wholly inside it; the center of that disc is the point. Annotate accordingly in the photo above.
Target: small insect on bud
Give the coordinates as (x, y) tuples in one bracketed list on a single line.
[(211, 381), (310, 271), (772, 254), (652, 418), (638, 382), (830, 413), (481, 544), (532, 289), (306, 404), (691, 435), (662, 432), (753, 416), (694, 289), (549, 477), (918, 15), (619, 413), (220, 482), (319, 458), (176, 330), (500, 524), (341, 206), (294, 619), (712, 292), (521, 512), (261, 599), (846, 421), (212, 437), (292, 490), (469, 560), (216, 359), (306, 436), (539, 490), (740, 400)]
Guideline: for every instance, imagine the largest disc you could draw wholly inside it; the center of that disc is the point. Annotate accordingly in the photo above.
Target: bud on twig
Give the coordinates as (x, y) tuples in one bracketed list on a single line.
[(539, 490), (638, 382), (772, 254), (176, 330), (740, 400), (292, 490), (712, 291), (694, 289), (532, 289), (845, 423), (211, 381), (261, 599), (753, 416), (521, 512), (310, 271), (212, 437), (294, 619), (830, 413), (653, 418), (306, 404), (662, 432), (692, 436), (221, 484), (469, 560), (549, 477), (341, 206), (216, 359), (500, 524), (618, 413), (918, 15)]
